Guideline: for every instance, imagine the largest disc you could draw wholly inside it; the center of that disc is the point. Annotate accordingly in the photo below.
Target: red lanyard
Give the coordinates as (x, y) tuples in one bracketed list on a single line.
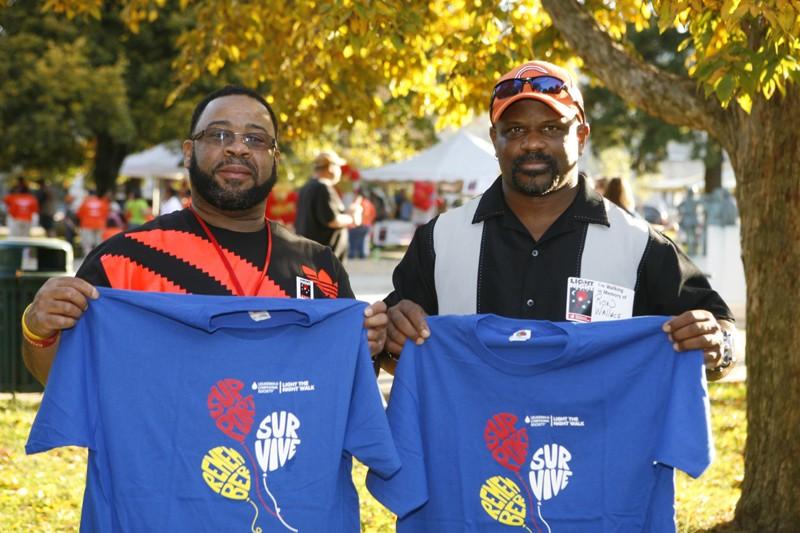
[(234, 278)]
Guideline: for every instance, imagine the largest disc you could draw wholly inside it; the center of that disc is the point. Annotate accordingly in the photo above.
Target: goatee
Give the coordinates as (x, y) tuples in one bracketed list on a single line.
[(230, 199), (530, 187)]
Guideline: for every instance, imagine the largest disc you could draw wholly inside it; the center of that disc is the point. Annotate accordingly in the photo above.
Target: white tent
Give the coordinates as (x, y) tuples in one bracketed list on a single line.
[(162, 161), (462, 157), (155, 164)]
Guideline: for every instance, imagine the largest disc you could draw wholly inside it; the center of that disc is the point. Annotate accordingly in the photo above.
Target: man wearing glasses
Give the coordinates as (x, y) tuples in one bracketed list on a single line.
[(539, 242), (221, 245)]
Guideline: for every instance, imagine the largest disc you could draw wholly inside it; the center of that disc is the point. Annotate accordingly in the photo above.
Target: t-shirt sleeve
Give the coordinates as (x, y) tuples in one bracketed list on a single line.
[(68, 413), (367, 434), (407, 489), (675, 284), (413, 278), (686, 442), (91, 269)]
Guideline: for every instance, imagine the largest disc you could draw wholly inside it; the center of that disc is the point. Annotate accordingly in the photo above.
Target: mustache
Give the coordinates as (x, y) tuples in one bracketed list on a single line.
[(535, 156), (236, 161)]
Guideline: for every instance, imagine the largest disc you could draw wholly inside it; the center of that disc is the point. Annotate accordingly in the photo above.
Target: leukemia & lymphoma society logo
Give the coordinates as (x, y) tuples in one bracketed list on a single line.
[(549, 474)]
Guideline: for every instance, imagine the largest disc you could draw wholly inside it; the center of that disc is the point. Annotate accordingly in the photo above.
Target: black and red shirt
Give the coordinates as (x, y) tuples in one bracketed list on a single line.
[(173, 254)]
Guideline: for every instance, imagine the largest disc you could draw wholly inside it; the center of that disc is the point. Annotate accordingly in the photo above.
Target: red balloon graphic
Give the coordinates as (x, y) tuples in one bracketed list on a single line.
[(509, 445), (233, 413)]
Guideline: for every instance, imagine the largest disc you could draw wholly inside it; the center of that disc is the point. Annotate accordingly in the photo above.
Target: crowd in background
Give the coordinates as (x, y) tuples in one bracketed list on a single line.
[(87, 219)]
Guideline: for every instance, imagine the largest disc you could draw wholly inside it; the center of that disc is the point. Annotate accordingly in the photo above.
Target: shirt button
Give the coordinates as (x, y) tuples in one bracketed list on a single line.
[(529, 303), (535, 253)]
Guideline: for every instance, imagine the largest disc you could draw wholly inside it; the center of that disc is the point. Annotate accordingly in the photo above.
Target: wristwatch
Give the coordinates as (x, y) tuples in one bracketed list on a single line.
[(728, 351)]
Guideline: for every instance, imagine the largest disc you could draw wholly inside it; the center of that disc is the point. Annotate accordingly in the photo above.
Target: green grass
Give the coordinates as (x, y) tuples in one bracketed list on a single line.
[(43, 492)]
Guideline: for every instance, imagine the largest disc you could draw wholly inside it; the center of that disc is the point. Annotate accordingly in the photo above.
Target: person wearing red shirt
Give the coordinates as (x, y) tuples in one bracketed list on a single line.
[(92, 218), (21, 206)]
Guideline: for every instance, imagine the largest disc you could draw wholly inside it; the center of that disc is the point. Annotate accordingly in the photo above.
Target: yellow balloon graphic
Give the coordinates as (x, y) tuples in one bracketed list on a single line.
[(501, 499), (226, 473)]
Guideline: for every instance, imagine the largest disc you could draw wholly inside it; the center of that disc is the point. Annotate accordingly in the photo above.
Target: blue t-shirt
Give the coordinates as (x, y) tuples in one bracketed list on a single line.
[(217, 413), (549, 427)]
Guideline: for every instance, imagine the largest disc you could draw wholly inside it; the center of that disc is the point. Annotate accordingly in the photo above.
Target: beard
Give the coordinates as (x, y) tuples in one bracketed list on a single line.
[(530, 187), (235, 198)]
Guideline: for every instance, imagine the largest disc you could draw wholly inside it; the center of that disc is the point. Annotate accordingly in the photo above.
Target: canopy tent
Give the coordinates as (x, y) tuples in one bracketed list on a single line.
[(462, 157), (162, 161)]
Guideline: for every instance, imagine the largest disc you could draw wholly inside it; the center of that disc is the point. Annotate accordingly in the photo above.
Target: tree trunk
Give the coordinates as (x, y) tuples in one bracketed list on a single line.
[(108, 159), (764, 148), (712, 160)]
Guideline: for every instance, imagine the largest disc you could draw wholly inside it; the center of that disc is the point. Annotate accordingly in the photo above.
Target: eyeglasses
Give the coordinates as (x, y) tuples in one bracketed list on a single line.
[(255, 141), (540, 84)]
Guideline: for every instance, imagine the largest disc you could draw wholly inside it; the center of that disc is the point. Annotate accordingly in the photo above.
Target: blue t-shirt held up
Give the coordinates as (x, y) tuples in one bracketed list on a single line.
[(513, 425), (217, 413)]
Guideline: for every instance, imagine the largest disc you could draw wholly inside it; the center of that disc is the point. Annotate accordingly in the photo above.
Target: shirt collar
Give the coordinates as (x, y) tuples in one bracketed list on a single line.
[(588, 205)]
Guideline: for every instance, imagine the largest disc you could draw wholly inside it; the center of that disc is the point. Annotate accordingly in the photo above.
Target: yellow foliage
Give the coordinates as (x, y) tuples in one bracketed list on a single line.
[(442, 56)]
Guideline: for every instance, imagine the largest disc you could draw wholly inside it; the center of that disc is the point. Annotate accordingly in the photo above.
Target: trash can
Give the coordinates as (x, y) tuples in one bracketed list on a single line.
[(25, 264)]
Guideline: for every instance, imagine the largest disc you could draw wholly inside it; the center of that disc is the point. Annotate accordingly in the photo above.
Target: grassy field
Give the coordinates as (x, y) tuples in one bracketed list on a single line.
[(43, 492)]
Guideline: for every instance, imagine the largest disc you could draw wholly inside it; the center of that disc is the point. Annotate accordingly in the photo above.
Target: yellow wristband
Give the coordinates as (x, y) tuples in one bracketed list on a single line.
[(31, 336)]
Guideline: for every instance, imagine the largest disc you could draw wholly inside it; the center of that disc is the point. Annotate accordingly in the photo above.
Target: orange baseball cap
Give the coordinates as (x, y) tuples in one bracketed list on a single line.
[(564, 98)]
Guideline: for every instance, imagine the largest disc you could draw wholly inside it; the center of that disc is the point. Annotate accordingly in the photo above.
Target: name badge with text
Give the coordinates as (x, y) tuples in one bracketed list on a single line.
[(596, 301)]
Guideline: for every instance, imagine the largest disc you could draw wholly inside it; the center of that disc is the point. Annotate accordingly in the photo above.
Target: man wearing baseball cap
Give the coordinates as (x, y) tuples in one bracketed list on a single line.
[(521, 249), (321, 215)]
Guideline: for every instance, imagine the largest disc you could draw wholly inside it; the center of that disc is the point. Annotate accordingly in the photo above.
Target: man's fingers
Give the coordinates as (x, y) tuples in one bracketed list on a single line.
[(409, 318), (710, 341), (58, 305), (394, 339), (686, 319)]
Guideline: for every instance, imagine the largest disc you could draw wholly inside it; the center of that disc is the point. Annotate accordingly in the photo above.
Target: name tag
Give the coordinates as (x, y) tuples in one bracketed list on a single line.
[(305, 289), (596, 301)]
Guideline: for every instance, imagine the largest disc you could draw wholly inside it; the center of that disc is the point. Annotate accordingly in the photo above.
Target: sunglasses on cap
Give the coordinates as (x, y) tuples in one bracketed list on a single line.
[(540, 84)]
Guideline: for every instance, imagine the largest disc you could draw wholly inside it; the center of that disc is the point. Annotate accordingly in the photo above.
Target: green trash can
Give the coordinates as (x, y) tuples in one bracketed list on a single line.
[(25, 264)]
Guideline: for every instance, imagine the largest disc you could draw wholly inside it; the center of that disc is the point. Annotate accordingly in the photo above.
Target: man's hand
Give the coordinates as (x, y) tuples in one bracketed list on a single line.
[(375, 321), (58, 305), (698, 330), (406, 321)]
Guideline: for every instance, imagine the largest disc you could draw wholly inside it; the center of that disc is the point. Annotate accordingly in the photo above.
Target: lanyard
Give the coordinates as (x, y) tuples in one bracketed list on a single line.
[(234, 278)]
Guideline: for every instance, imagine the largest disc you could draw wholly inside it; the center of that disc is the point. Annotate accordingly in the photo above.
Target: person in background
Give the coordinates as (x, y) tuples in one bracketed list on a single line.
[(92, 219), (22, 207), (171, 201), (358, 235), (618, 191), (402, 205), (598, 184), (137, 210), (48, 204), (321, 214)]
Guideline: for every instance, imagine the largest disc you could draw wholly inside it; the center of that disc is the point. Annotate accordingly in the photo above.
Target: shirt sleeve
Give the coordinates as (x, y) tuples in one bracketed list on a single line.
[(367, 434), (68, 414), (407, 489), (686, 442), (91, 269), (674, 284), (413, 278)]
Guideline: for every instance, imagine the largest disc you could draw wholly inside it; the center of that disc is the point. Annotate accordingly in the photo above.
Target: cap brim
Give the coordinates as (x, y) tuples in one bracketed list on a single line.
[(560, 108)]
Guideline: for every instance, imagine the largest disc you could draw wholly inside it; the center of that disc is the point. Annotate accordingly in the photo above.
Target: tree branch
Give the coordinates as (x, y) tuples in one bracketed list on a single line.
[(674, 99)]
